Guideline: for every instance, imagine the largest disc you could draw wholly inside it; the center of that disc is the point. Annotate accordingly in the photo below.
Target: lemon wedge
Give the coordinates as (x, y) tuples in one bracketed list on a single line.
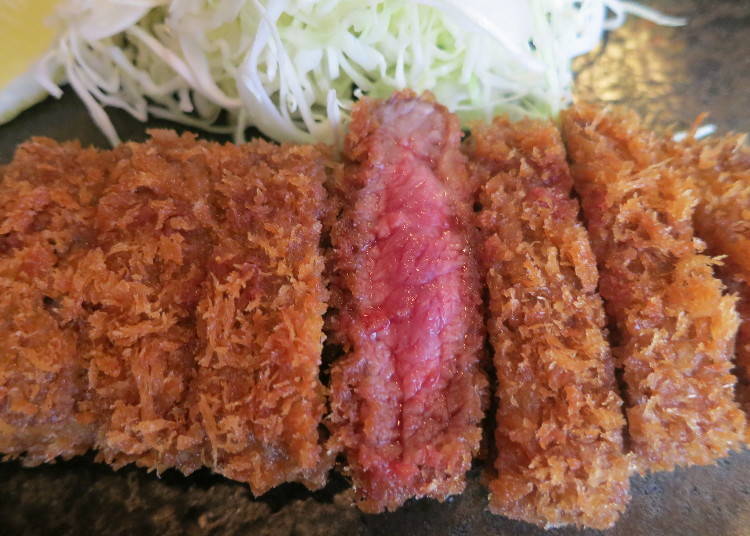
[(23, 40)]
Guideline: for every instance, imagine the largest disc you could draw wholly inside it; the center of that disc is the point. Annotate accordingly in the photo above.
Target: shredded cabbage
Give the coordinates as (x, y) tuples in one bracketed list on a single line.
[(293, 68)]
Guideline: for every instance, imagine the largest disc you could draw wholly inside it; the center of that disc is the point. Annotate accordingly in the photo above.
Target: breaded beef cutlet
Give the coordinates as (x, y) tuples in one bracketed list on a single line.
[(188, 310), (260, 317), (560, 457), (137, 288), (47, 208), (407, 396), (720, 167), (674, 329)]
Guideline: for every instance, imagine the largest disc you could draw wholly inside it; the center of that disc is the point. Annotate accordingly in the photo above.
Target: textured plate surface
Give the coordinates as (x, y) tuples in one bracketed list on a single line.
[(670, 76)]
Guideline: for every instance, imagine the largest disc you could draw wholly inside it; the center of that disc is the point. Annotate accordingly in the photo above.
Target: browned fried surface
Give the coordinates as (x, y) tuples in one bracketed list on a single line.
[(407, 397), (261, 318), (137, 288), (46, 217), (676, 330), (560, 456), (721, 169), (187, 325)]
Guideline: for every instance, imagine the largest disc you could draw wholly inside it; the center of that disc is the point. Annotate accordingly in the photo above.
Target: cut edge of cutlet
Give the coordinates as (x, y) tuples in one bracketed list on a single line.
[(434, 480), (658, 289)]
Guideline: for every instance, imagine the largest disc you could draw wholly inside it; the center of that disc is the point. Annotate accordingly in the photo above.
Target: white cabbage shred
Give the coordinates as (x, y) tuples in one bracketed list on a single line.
[(293, 68)]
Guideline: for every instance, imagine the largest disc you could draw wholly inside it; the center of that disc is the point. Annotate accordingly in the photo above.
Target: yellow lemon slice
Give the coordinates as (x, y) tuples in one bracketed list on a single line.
[(24, 38)]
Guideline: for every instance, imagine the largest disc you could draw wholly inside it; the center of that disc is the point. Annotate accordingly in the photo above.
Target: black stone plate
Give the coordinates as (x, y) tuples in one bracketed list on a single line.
[(669, 76)]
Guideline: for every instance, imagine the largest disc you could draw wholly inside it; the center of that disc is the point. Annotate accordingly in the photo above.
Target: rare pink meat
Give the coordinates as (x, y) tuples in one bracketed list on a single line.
[(407, 397)]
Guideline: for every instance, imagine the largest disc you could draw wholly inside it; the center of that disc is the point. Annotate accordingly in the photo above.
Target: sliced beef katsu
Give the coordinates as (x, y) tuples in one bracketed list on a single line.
[(164, 304), (407, 397), (260, 317), (560, 457), (47, 208), (721, 169), (137, 288), (675, 328), (206, 301)]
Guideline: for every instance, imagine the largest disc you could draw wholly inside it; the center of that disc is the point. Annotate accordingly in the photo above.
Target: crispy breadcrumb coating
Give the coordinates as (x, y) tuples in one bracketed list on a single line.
[(675, 328), (136, 289), (165, 300), (560, 456), (47, 197), (720, 167), (260, 318), (407, 398)]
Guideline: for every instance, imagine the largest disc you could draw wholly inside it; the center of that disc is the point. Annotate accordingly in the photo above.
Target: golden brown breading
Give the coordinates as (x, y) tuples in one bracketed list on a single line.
[(136, 289), (560, 456), (720, 167), (676, 331), (47, 197), (260, 317), (184, 321)]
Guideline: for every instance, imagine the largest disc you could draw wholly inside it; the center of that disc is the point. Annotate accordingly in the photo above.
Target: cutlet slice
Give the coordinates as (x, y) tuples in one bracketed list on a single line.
[(560, 456), (47, 197), (721, 170), (205, 298), (137, 287), (163, 304), (260, 317), (675, 329), (407, 396)]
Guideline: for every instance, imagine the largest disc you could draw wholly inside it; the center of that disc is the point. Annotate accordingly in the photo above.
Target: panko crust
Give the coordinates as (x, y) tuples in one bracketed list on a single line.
[(47, 208), (675, 328), (401, 444), (720, 167), (183, 325), (260, 318), (560, 456), (135, 289)]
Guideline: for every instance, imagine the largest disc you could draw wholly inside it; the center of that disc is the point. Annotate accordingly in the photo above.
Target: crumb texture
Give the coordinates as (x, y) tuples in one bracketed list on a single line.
[(47, 210), (721, 170), (172, 309), (560, 456), (675, 328), (260, 319)]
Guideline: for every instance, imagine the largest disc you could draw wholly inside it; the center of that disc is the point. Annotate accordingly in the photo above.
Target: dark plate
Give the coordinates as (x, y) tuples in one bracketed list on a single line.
[(670, 76)]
